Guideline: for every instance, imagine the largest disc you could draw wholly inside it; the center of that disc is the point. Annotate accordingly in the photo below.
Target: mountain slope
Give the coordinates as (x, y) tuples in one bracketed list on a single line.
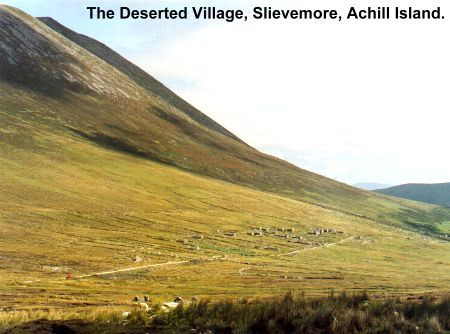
[(438, 194), (99, 172), (130, 116)]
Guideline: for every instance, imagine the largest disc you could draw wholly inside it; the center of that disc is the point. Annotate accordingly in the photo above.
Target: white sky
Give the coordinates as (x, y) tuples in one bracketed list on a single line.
[(355, 101)]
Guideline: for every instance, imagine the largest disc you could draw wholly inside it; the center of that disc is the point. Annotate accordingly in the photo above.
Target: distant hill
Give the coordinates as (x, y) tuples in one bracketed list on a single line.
[(438, 194), (372, 186)]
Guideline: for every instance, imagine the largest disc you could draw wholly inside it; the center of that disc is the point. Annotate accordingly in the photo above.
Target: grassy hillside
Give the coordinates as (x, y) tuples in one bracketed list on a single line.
[(438, 194), (98, 173)]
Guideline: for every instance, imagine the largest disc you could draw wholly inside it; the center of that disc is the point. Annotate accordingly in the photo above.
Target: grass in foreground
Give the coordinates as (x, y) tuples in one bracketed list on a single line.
[(344, 313)]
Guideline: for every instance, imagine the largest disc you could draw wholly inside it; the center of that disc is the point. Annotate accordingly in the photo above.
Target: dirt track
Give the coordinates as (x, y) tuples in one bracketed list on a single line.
[(316, 247), (130, 269)]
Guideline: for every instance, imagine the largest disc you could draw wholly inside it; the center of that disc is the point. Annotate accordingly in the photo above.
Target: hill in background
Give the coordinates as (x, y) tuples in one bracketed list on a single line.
[(438, 193)]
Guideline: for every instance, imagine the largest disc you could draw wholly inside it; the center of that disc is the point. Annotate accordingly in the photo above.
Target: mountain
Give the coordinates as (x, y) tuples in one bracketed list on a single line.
[(438, 194), (137, 114), (109, 178), (371, 186)]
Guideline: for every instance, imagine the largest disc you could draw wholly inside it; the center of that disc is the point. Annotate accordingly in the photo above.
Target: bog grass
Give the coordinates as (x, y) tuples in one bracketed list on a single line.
[(335, 313), (344, 313)]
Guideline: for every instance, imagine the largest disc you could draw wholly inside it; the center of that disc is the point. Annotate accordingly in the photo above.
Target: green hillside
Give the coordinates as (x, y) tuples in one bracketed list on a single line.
[(103, 169), (438, 194)]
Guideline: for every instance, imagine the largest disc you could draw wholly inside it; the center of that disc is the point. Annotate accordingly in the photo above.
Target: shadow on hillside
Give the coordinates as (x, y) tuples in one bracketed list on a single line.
[(116, 144)]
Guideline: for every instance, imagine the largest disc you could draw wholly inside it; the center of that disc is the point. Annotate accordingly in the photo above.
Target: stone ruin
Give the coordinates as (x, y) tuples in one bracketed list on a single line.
[(321, 230)]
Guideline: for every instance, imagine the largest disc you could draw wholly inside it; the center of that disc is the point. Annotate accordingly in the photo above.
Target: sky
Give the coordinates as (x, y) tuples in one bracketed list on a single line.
[(365, 101)]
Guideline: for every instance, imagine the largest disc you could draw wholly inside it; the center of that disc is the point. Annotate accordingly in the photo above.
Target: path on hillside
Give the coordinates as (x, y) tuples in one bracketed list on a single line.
[(102, 273), (316, 247)]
